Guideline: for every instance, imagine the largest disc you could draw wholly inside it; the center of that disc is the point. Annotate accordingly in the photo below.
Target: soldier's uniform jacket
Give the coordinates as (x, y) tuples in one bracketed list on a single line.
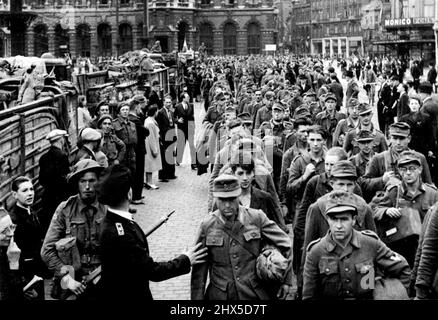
[(387, 161), (127, 267), (331, 272), (379, 144), (212, 115), (288, 156), (113, 147), (125, 130), (425, 197), (296, 185), (360, 163), (342, 128), (73, 218), (276, 130), (317, 224), (263, 114), (329, 123), (231, 264)]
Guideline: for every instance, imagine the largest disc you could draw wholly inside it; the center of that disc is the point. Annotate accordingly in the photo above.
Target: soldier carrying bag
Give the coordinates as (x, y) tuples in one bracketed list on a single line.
[(409, 224)]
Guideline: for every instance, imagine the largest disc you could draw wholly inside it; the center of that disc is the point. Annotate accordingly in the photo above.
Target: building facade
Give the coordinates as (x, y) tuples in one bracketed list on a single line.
[(336, 27), (409, 29), (94, 28), (300, 27)]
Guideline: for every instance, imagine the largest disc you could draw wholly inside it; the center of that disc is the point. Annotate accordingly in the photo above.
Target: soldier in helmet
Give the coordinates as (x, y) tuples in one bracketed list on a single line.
[(344, 263), (233, 235), (80, 217)]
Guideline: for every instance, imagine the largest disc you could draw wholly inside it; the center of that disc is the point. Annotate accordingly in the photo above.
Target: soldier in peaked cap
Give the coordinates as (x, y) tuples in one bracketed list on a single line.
[(411, 193), (347, 124), (79, 216), (54, 168), (234, 233), (343, 264), (365, 123), (329, 118), (364, 141), (383, 169)]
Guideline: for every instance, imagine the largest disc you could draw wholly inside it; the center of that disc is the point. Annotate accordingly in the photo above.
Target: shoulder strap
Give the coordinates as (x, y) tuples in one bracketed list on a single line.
[(242, 243)]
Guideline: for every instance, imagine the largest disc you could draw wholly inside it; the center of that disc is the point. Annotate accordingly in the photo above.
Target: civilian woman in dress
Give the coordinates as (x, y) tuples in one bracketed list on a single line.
[(153, 156)]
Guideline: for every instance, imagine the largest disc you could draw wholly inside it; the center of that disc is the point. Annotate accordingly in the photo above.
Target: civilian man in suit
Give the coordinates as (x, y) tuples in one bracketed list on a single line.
[(126, 264), (184, 115), (154, 95), (166, 123), (352, 87)]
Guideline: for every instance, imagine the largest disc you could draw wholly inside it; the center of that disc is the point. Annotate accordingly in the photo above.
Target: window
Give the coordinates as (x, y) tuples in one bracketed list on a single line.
[(83, 40), (230, 37), (61, 41), (429, 8), (40, 40), (253, 38), (125, 36), (104, 40), (404, 9), (206, 36)]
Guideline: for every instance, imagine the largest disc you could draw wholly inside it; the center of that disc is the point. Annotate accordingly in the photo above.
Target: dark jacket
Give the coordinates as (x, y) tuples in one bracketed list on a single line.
[(11, 282), (127, 267), (186, 114), (338, 90), (29, 238), (165, 124), (142, 133), (264, 201), (421, 132)]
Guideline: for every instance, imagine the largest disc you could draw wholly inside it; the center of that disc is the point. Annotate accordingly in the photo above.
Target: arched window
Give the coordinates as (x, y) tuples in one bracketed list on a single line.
[(253, 38), (125, 36), (83, 40), (62, 41), (206, 36), (104, 39), (40, 40), (140, 35), (230, 37)]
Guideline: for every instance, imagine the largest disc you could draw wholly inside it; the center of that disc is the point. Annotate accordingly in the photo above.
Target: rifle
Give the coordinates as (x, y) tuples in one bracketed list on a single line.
[(159, 223), (94, 276)]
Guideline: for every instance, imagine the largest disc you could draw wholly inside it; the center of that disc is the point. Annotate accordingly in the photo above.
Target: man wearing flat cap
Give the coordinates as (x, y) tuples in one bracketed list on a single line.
[(89, 142), (233, 235), (352, 87), (54, 168), (411, 193), (81, 217), (343, 264), (127, 266), (383, 168), (365, 123), (329, 118), (265, 112)]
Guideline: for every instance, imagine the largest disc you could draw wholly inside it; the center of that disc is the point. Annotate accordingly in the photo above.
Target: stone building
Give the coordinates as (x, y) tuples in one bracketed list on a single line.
[(110, 27), (300, 27)]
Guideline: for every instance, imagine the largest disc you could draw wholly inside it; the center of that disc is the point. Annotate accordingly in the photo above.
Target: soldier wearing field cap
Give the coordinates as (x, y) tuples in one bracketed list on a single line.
[(411, 193), (273, 134), (80, 216), (216, 109), (364, 141), (54, 168), (347, 124), (344, 263), (329, 118), (365, 116), (265, 112), (383, 169), (233, 235)]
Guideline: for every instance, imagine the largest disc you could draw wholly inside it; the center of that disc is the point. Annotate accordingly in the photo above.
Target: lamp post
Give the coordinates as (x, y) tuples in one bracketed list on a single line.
[(117, 29)]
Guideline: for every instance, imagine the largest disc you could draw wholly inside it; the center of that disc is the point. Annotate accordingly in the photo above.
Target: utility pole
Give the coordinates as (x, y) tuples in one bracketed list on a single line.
[(145, 23)]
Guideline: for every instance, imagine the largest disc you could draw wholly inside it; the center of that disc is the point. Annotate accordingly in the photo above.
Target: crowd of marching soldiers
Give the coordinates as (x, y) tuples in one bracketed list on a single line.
[(315, 162)]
